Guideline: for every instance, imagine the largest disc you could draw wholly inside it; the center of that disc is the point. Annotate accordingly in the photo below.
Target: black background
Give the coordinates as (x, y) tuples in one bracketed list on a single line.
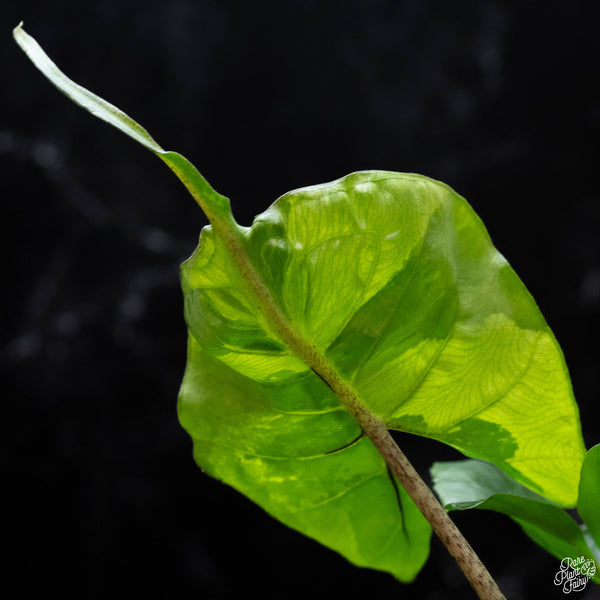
[(497, 99)]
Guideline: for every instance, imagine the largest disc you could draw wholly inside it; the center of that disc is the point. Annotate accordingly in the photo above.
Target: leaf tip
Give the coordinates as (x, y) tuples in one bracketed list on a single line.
[(18, 29)]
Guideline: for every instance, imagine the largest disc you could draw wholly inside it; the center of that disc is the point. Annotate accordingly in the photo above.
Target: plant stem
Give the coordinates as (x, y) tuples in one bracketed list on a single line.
[(441, 523)]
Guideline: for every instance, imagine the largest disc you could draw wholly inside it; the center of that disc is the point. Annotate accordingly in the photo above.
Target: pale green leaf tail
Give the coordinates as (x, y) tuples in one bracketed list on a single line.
[(213, 204)]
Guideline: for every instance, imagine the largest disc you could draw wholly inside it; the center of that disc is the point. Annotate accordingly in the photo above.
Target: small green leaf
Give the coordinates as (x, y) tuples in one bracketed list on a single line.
[(588, 505), (467, 484)]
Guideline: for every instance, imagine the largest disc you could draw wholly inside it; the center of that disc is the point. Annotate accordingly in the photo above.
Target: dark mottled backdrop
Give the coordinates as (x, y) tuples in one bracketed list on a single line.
[(498, 99)]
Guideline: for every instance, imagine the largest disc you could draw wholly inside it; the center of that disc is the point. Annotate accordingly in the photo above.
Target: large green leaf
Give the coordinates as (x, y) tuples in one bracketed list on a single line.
[(466, 484), (384, 287), (394, 278)]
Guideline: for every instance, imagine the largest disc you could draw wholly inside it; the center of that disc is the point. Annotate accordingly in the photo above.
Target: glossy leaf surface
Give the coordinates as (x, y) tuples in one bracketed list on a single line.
[(467, 484), (391, 279)]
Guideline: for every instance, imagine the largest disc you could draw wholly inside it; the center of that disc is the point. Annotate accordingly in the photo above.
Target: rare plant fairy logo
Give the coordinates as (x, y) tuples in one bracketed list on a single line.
[(574, 574)]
